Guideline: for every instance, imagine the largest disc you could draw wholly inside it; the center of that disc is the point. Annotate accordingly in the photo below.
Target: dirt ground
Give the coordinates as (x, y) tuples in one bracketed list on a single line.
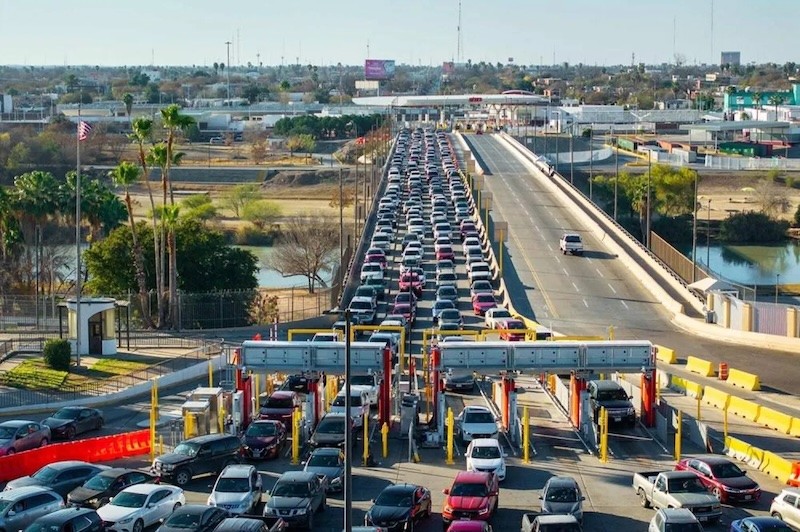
[(744, 191)]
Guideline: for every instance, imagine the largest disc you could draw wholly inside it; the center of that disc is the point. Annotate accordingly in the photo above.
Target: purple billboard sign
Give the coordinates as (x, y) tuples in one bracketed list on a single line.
[(378, 69)]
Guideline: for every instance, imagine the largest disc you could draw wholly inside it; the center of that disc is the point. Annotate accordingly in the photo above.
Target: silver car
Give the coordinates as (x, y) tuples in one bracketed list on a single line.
[(22, 506), (238, 489), (562, 495)]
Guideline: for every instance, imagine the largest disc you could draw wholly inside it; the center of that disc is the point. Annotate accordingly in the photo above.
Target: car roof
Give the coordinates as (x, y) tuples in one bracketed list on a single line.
[(208, 437), (145, 488), (606, 385), (297, 476), (555, 519), (15, 423), (485, 442), (66, 464), (237, 471), (401, 488), (333, 451), (710, 459), (117, 471), (194, 509), (24, 491), (64, 514), (679, 515), (562, 481)]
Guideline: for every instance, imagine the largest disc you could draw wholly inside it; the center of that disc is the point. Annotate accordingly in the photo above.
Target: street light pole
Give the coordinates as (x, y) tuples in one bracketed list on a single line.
[(708, 238), (228, 71), (777, 284), (647, 236)]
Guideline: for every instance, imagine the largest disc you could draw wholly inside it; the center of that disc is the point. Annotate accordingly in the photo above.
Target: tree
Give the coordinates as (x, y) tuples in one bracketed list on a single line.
[(259, 149), (674, 189), (302, 142), (128, 101), (261, 213), (199, 206), (171, 214), (305, 247), (771, 199), (755, 227), (237, 198)]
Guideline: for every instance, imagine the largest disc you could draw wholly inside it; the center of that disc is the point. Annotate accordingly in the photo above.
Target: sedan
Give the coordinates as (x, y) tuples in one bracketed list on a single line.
[(723, 478), (448, 292), (138, 507), (264, 439), (399, 507), (482, 302), (480, 287), (406, 298), (562, 495), (327, 462), (510, 330), (21, 435), (459, 383), (759, 524), (439, 306), (486, 454), (445, 253), (99, 489), (451, 315), (61, 477), (406, 310), (194, 518), (73, 420)]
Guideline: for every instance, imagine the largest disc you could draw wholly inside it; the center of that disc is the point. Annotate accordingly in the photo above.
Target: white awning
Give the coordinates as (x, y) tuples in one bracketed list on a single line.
[(710, 284)]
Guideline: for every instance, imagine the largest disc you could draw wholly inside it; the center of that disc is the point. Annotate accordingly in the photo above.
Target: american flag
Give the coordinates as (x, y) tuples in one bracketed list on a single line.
[(84, 128)]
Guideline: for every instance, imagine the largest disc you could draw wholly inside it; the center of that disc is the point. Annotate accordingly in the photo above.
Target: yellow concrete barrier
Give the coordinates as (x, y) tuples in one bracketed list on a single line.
[(694, 389), (742, 379), (677, 383), (744, 408), (795, 429), (775, 420), (776, 467), (716, 397), (699, 366), (666, 355)]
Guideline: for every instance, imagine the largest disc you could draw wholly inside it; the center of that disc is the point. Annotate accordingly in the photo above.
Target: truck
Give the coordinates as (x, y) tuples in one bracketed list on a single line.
[(677, 489), (611, 396), (533, 522), (571, 243)]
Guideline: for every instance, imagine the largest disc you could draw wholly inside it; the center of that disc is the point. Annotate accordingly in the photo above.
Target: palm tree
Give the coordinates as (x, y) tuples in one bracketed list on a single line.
[(776, 100), (173, 121), (124, 175), (170, 216), (757, 100), (128, 100)]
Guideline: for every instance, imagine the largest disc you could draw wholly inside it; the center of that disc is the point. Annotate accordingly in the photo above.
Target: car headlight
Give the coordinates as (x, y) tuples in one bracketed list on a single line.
[(126, 520), (336, 481), (269, 511), (631, 410), (301, 511), (483, 511), (716, 507), (448, 509)]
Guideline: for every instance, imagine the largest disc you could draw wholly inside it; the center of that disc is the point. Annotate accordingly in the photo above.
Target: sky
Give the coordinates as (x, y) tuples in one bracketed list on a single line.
[(418, 32)]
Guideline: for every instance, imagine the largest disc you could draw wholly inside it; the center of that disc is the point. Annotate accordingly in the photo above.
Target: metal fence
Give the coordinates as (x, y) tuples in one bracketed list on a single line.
[(750, 163), (675, 260)]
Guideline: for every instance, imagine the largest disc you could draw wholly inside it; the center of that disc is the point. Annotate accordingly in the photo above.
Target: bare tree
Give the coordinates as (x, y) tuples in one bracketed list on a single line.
[(306, 247), (771, 199)]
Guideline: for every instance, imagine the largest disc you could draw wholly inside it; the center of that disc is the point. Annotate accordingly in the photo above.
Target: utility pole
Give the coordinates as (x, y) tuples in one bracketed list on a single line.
[(228, 70), (649, 167), (341, 223), (616, 172)]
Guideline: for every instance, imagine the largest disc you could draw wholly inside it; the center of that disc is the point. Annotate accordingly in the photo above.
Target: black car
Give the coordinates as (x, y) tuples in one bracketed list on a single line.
[(99, 489), (263, 439), (299, 383), (459, 383), (61, 477), (194, 518), (68, 520), (296, 497), (611, 396), (399, 507), (197, 456), (329, 432), (73, 420)]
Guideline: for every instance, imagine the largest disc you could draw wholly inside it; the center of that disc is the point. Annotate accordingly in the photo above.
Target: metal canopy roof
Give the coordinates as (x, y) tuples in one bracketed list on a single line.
[(723, 125)]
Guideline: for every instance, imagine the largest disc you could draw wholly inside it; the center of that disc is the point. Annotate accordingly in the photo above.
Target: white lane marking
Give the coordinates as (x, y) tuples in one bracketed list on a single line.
[(585, 303), (623, 303), (598, 272), (612, 288), (576, 287), (565, 271)]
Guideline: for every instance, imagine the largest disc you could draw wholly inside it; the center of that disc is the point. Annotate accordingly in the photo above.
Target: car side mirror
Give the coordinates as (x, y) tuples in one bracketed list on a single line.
[(540, 497), (446, 491), (11, 513), (583, 498)]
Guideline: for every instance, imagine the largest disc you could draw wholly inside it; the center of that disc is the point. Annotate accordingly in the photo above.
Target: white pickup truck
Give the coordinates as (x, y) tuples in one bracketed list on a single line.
[(677, 489), (571, 243)]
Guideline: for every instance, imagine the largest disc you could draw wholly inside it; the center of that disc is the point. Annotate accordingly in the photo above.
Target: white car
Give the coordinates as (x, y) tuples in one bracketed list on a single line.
[(479, 271), (368, 382), (486, 454), (371, 270), (674, 519), (495, 315), (476, 422), (238, 489), (786, 506), (359, 404), (138, 507)]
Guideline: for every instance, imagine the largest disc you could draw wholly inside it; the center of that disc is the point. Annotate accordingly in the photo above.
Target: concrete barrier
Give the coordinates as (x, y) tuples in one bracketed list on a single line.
[(795, 428), (694, 390), (742, 379), (677, 383), (716, 397), (700, 366), (744, 408), (744, 452), (666, 355), (776, 466), (775, 420)]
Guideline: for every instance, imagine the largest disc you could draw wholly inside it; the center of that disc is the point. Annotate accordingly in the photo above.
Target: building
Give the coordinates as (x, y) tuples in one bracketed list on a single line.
[(730, 58), (736, 100)]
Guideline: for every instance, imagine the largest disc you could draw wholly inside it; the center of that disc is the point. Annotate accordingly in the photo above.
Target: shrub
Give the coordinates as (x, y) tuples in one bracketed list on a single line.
[(58, 354), (752, 227), (797, 217), (249, 235), (789, 182)]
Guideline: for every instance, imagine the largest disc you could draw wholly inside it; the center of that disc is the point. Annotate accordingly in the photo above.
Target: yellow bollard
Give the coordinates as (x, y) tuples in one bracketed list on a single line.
[(526, 436), (210, 374), (160, 444), (451, 426), (698, 408), (678, 436), (296, 437), (603, 427), (725, 421), (188, 426), (365, 456), (610, 332), (385, 436)]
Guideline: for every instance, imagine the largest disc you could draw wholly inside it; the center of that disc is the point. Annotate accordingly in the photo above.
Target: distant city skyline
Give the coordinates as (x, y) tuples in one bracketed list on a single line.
[(417, 32)]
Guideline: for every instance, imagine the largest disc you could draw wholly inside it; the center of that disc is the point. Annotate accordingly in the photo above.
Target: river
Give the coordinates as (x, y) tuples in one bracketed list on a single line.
[(753, 265)]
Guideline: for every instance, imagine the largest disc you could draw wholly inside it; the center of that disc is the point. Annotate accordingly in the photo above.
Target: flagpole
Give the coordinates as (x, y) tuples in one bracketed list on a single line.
[(78, 243)]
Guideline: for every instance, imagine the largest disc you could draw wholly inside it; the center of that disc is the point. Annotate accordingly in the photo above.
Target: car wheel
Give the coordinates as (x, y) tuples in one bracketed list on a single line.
[(70, 433), (44, 442), (138, 526), (716, 492), (643, 499), (182, 477), (177, 505), (776, 515)]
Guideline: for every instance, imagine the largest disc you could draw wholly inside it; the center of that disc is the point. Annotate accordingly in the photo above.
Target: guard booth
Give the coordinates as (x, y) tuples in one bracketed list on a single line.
[(212, 408), (97, 327), (196, 418)]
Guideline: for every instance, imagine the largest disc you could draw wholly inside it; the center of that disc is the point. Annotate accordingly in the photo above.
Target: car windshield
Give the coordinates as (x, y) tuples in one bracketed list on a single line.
[(323, 460), (695, 527), (290, 489), (4, 505), (485, 298), (355, 400), (261, 429), (469, 490), (331, 426), (478, 417), (183, 520), (6, 433), (232, 485), (559, 494), (396, 498), (572, 238), (361, 305), (486, 452), (99, 482), (501, 314), (450, 314), (612, 395), (726, 470), (186, 449), (66, 413), (514, 325), (686, 485), (278, 402), (362, 380), (46, 474), (127, 499)]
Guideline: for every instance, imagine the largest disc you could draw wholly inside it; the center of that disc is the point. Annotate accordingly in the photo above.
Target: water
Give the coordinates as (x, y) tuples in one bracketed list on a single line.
[(753, 265), (270, 278)]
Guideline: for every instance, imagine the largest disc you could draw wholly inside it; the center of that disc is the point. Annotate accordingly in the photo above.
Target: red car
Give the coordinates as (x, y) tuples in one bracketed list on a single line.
[(723, 478), (410, 282), (445, 253), (373, 256), (482, 302), (405, 310), (406, 298), (467, 226), (473, 496), (507, 326), (469, 526), (279, 406)]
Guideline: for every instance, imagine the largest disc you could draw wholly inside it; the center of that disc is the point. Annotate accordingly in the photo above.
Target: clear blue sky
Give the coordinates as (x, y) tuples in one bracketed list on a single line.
[(324, 32)]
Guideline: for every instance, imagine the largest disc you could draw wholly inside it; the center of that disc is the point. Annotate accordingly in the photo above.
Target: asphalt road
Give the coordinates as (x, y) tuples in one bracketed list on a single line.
[(586, 295)]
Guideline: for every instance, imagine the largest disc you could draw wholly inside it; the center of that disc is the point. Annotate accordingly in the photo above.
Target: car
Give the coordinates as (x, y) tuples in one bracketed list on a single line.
[(73, 519), (495, 315), (445, 253), (296, 497), (469, 526), (439, 306), (612, 396), (395, 320), (448, 292), (399, 507), (372, 257), (301, 382), (252, 524), (19, 435), (363, 310), (442, 241), (443, 266), (359, 405), (423, 278), (479, 271), (378, 285), (370, 270), (786, 506), (194, 518), (475, 422), (328, 464), (759, 524), (100, 488), (444, 328), (389, 339), (329, 431), (22, 506), (203, 455), (382, 241), (451, 315), (263, 439), (368, 292), (571, 243), (72, 420), (446, 279), (480, 287), (410, 281), (237, 489), (61, 477), (473, 495), (507, 330), (412, 259), (279, 406), (138, 507), (459, 383), (483, 302), (562, 495), (486, 454), (408, 298), (723, 478), (322, 337), (406, 310)]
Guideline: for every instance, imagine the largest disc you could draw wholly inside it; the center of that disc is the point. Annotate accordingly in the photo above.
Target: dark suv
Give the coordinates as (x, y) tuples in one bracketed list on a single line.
[(203, 455), (614, 398)]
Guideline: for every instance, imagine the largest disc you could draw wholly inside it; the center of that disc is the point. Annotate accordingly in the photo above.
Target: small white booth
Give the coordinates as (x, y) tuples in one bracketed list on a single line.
[(97, 328)]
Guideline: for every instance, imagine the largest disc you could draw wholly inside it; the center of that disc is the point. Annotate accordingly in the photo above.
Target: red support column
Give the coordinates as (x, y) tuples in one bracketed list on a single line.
[(576, 385), (247, 394), (648, 407), (435, 363), (386, 385), (508, 387)]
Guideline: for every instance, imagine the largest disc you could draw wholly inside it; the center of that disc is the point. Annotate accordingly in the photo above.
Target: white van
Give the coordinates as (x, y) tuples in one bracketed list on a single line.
[(359, 405)]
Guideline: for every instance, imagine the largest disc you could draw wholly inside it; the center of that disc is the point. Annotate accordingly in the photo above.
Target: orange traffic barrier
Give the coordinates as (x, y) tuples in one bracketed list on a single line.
[(723, 371), (794, 476)]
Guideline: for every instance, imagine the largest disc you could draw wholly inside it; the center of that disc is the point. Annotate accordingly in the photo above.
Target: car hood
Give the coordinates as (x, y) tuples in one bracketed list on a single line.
[(23, 481), (382, 514), (615, 404), (173, 458), (331, 440), (230, 498), (695, 499), (55, 423), (112, 513), (81, 494), (552, 507), (258, 442), (486, 463), (288, 502), (330, 472), (459, 502), (739, 483), (479, 428)]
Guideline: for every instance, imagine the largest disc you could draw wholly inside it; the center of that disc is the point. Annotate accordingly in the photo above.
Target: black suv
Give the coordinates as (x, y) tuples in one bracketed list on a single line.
[(68, 520), (203, 455), (614, 398)]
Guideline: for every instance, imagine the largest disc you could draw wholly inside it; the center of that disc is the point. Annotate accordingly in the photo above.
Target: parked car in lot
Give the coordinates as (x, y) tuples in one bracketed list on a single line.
[(202, 455), (676, 489), (486, 454), (296, 497), (532, 522), (328, 464), (194, 518), (237, 489), (399, 507), (61, 477), (562, 495), (141, 506), (263, 439), (759, 524), (724, 479), (19, 435), (100, 488), (22, 506), (473, 495), (72, 420)]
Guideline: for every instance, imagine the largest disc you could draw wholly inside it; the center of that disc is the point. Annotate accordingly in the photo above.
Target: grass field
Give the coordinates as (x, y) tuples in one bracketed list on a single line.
[(36, 375)]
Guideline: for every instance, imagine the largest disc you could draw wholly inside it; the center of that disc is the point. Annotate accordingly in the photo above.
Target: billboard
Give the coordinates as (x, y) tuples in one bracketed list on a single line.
[(379, 69), (448, 67)]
